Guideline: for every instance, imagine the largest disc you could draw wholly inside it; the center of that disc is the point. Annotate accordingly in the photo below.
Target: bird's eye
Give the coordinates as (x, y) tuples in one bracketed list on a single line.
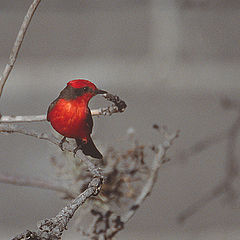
[(85, 89)]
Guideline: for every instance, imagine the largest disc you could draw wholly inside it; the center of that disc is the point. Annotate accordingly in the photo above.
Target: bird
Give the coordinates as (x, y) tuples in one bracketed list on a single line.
[(70, 115)]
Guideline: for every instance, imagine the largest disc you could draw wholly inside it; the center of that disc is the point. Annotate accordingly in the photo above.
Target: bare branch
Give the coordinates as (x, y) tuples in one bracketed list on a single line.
[(53, 228), (147, 188), (18, 43), (11, 128), (202, 202), (35, 182), (232, 167), (119, 103), (157, 163), (119, 106), (15, 119), (202, 145), (27, 235), (43, 117)]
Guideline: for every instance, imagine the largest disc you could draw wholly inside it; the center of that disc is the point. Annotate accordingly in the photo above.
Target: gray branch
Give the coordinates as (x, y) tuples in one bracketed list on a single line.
[(52, 229), (119, 106), (35, 182), (12, 128), (17, 44), (159, 159)]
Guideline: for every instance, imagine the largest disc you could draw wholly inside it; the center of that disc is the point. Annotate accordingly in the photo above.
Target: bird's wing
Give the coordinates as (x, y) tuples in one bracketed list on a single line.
[(89, 121), (51, 106)]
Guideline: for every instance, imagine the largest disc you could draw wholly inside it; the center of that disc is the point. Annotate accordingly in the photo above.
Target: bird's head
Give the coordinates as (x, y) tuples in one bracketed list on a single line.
[(84, 89)]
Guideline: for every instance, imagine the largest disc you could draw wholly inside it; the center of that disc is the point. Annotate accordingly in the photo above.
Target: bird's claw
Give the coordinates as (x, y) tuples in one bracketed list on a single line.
[(61, 143), (79, 146), (76, 149)]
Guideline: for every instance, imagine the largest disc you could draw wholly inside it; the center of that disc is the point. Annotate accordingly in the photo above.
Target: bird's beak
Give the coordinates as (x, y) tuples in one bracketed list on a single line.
[(98, 91)]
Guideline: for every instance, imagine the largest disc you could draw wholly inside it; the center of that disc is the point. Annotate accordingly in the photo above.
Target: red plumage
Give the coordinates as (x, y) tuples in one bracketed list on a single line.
[(70, 116)]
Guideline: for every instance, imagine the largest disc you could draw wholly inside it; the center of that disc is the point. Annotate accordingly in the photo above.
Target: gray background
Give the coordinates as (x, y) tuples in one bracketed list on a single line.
[(170, 60)]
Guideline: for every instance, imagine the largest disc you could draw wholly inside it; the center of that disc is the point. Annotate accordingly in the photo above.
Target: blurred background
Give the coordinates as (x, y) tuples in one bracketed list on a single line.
[(172, 61)]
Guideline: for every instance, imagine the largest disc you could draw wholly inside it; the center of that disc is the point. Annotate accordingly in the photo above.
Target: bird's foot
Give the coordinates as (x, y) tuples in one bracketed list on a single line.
[(62, 142), (76, 149), (80, 143)]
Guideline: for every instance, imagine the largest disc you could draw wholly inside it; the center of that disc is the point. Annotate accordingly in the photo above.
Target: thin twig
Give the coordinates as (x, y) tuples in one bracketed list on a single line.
[(43, 117), (53, 228), (119, 106), (35, 182), (12, 128), (30, 118), (232, 172), (157, 163), (17, 44), (202, 202), (202, 145), (147, 188)]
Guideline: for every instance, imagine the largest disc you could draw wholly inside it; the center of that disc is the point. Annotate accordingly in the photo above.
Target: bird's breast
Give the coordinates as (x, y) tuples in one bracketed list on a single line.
[(68, 117)]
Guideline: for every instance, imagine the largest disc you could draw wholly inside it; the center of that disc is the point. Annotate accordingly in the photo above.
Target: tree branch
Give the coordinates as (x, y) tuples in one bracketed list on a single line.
[(52, 229), (43, 117), (30, 118), (232, 167), (35, 182), (12, 128), (119, 106), (18, 43), (159, 159)]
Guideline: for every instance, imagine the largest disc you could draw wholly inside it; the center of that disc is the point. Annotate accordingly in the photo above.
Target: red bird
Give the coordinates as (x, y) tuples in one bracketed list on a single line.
[(70, 116)]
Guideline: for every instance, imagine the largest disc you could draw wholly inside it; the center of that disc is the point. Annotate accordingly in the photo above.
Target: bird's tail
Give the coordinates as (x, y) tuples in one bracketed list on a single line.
[(89, 148)]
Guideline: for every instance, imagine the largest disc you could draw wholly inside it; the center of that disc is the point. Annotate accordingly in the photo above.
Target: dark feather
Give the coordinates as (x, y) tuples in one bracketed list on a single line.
[(89, 148), (70, 93), (89, 121)]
